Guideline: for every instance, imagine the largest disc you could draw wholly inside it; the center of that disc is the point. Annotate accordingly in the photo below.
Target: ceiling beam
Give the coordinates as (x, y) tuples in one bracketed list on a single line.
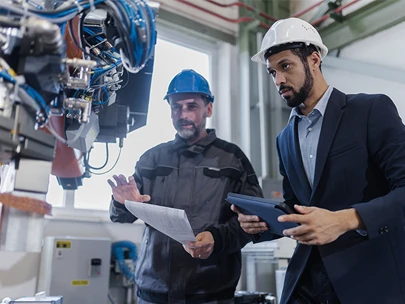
[(366, 21)]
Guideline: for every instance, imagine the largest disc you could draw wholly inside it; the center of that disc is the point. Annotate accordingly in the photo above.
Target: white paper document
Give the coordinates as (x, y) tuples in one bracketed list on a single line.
[(170, 221)]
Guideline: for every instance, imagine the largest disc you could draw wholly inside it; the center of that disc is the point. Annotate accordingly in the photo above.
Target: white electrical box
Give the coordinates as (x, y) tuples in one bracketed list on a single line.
[(76, 268)]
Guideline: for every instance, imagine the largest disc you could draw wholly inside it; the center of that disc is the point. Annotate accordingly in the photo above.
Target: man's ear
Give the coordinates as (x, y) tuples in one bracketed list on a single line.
[(315, 59), (209, 109)]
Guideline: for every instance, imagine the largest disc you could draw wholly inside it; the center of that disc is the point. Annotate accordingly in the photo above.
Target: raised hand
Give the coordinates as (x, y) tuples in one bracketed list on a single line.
[(126, 190)]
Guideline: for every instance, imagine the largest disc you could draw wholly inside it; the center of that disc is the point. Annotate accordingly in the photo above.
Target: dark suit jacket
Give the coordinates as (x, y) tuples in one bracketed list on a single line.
[(361, 164)]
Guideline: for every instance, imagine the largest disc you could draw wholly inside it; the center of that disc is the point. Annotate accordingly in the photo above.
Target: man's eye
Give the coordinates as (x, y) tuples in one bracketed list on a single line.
[(286, 66), (272, 73)]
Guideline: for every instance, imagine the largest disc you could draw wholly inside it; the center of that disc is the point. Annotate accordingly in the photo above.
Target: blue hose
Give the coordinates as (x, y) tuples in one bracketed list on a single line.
[(117, 249)]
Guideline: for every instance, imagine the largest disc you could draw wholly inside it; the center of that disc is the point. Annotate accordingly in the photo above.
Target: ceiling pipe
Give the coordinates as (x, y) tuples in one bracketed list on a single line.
[(262, 24), (296, 15), (248, 7), (239, 20), (338, 10)]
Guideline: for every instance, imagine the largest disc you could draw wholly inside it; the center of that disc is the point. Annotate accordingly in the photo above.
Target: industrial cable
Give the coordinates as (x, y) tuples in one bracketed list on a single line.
[(87, 159), (109, 170), (134, 20), (33, 94)]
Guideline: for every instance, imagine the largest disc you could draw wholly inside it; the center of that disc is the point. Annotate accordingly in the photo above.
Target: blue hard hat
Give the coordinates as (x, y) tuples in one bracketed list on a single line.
[(189, 81)]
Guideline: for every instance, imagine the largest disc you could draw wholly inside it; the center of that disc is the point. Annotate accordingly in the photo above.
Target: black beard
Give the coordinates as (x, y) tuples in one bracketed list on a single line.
[(299, 97)]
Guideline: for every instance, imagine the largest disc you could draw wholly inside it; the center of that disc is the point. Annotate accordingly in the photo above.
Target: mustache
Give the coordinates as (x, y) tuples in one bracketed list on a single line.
[(284, 87), (185, 122)]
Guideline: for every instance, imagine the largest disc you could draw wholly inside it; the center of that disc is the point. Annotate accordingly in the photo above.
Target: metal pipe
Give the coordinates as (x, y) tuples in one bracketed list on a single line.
[(239, 20), (262, 24), (341, 8), (248, 7), (264, 138), (338, 10), (300, 13)]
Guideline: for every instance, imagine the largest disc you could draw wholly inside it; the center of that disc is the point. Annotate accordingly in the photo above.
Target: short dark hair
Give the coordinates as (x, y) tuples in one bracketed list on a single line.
[(304, 52), (205, 99)]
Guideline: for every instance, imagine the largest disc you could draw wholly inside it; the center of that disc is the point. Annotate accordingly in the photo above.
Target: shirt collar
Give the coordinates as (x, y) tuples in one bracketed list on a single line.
[(320, 106)]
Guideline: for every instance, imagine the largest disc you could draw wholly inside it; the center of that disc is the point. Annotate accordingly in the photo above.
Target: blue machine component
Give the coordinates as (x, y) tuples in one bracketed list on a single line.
[(117, 251)]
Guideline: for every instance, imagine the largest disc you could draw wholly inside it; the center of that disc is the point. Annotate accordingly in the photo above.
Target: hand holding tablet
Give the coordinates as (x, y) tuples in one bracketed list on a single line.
[(268, 210)]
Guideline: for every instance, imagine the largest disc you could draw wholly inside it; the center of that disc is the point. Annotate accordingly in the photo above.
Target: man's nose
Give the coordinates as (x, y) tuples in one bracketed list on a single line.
[(279, 79), (184, 112)]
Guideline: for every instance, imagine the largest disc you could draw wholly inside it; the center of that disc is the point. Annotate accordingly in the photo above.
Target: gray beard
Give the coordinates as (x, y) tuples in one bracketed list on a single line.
[(188, 134), (193, 133)]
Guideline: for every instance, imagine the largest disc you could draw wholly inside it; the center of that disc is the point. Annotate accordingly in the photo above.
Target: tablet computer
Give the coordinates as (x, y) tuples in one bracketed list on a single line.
[(268, 210)]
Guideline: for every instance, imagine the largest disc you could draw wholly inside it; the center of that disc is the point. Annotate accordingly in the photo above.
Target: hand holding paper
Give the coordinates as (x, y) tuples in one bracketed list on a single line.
[(202, 247)]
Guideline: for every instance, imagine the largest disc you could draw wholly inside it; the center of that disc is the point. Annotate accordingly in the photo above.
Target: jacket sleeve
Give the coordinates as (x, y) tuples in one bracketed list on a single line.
[(229, 237), (386, 144), (118, 212), (289, 198)]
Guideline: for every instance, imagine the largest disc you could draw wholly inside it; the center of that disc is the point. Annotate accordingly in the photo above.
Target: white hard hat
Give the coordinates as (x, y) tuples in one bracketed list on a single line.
[(287, 31)]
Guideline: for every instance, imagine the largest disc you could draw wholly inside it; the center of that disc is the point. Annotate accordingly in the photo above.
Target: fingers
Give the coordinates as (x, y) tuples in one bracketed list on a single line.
[(296, 218), (235, 209), (144, 198), (202, 247), (243, 218), (254, 230), (131, 180), (199, 253), (119, 180), (304, 209), (251, 224), (111, 183), (297, 231), (254, 227), (191, 245), (122, 180), (199, 237)]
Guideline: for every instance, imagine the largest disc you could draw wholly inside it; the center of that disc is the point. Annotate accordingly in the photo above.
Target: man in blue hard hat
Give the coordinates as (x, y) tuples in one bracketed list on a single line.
[(194, 172)]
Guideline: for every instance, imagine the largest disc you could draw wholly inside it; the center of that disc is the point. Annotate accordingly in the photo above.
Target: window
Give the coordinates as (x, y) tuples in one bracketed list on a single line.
[(55, 193), (170, 59)]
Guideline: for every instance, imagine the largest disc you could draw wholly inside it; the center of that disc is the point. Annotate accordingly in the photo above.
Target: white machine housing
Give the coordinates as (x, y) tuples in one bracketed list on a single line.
[(76, 268)]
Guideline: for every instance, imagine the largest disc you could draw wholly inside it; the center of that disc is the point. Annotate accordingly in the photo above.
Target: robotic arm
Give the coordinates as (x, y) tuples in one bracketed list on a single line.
[(78, 70)]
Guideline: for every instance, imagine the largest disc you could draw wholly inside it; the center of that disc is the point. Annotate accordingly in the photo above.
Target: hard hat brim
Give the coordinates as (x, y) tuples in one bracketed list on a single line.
[(259, 57), (210, 97)]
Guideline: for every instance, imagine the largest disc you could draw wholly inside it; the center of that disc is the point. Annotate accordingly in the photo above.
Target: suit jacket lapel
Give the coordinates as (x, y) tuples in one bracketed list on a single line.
[(331, 120), (295, 154)]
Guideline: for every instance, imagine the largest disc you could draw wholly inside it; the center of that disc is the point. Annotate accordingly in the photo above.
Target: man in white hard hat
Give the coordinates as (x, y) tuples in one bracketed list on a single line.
[(342, 159)]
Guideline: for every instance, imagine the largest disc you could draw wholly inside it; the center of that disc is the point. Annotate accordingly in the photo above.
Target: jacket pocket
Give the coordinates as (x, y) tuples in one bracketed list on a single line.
[(230, 172), (343, 150), (152, 173)]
